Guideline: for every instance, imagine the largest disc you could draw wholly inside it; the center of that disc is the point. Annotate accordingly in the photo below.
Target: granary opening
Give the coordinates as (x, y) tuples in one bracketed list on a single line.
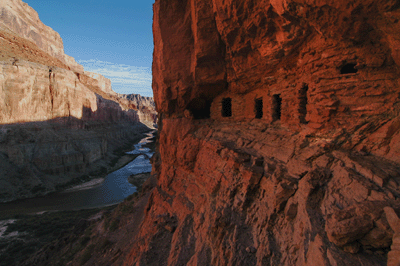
[(276, 107), (200, 108), (348, 69), (226, 107), (303, 104), (258, 108)]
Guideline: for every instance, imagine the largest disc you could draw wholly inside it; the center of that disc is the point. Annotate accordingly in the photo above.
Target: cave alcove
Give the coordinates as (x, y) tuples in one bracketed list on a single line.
[(276, 107), (348, 69), (303, 100), (200, 108), (258, 108), (226, 110)]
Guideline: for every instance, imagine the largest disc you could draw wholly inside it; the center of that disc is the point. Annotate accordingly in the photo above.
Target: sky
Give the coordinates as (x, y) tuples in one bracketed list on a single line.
[(110, 37)]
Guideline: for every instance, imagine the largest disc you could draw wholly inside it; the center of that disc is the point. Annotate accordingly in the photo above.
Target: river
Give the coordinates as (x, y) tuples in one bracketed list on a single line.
[(112, 190)]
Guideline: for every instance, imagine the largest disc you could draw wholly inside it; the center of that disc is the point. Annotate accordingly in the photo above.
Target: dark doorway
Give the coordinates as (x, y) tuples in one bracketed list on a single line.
[(200, 108), (259, 108), (303, 100), (227, 107), (348, 69), (276, 107)]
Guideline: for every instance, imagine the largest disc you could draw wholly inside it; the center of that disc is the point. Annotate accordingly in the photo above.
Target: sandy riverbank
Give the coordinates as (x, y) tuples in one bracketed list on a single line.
[(124, 160)]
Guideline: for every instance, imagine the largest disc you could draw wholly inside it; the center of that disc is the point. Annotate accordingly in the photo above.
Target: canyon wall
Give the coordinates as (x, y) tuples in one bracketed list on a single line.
[(59, 124), (18, 17), (145, 104), (34, 92), (94, 79), (279, 134)]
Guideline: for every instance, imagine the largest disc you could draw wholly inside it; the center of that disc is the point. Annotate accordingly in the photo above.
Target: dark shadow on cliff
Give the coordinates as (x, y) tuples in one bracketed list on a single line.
[(40, 157), (107, 111)]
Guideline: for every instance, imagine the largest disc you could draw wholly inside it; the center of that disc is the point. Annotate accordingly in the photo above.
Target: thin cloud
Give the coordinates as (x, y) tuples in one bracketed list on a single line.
[(124, 78)]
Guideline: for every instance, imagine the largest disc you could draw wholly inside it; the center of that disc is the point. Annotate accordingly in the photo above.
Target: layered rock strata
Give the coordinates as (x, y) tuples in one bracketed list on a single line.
[(42, 157), (34, 92), (18, 17), (279, 134), (58, 123), (145, 104)]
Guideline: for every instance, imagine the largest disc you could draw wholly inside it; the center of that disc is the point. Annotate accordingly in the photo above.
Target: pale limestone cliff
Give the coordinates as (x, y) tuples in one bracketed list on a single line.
[(20, 18), (47, 84), (58, 124), (100, 81), (41, 157), (145, 105), (141, 102), (33, 92)]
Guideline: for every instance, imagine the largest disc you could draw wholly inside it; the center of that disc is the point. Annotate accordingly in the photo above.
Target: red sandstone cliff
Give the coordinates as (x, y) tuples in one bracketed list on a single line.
[(279, 134)]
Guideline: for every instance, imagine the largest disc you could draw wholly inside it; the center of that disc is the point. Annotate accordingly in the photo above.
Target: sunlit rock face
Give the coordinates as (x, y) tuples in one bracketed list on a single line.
[(58, 123), (279, 134), (33, 92), (19, 17), (98, 80), (146, 106)]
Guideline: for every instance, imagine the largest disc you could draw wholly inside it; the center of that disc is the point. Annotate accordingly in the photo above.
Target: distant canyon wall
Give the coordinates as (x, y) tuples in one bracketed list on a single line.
[(37, 86), (58, 123), (146, 105), (42, 157), (32, 92), (19, 17), (279, 134)]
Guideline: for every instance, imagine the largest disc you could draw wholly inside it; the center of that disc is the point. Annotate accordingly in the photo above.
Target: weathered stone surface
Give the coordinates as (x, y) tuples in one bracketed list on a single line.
[(18, 17), (394, 221), (36, 86), (99, 81), (55, 129), (308, 91), (33, 92), (42, 157), (58, 123), (146, 106), (288, 219), (258, 50), (279, 132)]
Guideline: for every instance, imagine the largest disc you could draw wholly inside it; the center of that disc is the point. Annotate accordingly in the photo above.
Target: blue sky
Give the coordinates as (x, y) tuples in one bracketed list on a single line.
[(110, 37)]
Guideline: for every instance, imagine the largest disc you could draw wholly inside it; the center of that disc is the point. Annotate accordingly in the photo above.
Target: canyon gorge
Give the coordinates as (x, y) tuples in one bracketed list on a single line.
[(278, 142), (59, 125)]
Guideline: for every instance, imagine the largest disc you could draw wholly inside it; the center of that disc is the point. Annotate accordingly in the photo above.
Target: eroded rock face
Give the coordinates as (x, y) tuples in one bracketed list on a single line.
[(99, 81), (58, 124), (20, 18), (394, 221), (258, 195), (264, 50), (279, 131), (30, 92), (145, 105), (42, 157), (33, 92)]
